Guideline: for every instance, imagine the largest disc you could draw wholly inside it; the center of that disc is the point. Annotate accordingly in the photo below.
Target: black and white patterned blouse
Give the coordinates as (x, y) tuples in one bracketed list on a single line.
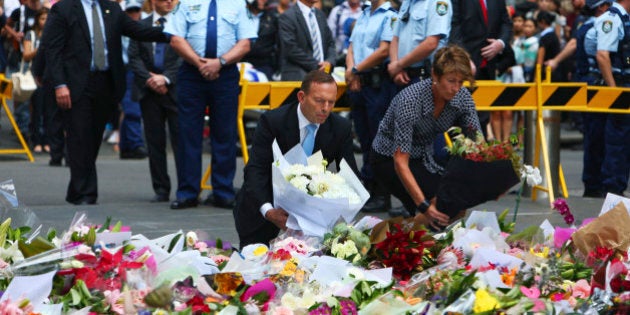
[(409, 123)]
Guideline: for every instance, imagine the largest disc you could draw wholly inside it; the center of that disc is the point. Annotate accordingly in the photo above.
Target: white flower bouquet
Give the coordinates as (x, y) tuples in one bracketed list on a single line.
[(314, 197)]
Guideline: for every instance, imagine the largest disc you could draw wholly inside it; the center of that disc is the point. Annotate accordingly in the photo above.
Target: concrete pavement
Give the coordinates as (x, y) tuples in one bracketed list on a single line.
[(125, 191)]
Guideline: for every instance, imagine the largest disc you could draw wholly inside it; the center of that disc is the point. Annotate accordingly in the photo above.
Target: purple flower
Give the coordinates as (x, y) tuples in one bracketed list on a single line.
[(213, 243), (563, 208)]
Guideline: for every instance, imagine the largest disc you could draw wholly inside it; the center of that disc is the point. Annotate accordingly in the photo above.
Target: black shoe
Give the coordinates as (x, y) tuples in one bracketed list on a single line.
[(54, 162), (377, 204), (399, 212), (160, 198), (219, 202), (593, 194), (84, 201), (184, 204), (135, 154)]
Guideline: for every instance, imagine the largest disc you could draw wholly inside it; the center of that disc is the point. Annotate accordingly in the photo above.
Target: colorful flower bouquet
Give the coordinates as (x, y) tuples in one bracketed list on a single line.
[(477, 172), (314, 197)]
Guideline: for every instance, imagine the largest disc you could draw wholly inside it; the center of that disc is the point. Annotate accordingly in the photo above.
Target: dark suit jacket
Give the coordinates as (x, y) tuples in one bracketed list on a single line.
[(469, 30), (141, 63), (296, 47), (69, 49), (334, 139)]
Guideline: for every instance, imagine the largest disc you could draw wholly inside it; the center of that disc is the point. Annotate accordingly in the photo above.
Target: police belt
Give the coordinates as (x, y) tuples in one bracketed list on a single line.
[(594, 76), (373, 77), (422, 72)]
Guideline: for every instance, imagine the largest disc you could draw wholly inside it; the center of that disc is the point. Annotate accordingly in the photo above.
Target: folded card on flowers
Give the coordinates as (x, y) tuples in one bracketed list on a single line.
[(314, 197)]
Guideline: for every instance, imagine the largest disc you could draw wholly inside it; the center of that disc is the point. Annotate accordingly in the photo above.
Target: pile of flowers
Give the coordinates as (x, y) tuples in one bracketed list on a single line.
[(370, 266)]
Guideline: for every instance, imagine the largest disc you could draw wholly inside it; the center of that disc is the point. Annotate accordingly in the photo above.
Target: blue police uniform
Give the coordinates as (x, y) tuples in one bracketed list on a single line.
[(377, 89), (192, 20), (606, 146), (419, 19)]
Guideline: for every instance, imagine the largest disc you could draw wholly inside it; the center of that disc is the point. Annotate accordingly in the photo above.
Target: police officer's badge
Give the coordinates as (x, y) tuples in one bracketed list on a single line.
[(607, 26), (441, 8)]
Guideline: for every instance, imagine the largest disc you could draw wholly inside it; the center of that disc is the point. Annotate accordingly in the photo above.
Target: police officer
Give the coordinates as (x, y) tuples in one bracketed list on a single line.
[(423, 27), (210, 36), (606, 146), (370, 88)]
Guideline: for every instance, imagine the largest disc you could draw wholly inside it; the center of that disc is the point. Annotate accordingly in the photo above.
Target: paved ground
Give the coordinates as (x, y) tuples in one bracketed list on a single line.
[(125, 191)]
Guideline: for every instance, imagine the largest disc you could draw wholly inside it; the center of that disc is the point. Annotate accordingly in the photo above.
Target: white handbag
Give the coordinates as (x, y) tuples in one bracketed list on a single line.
[(23, 84)]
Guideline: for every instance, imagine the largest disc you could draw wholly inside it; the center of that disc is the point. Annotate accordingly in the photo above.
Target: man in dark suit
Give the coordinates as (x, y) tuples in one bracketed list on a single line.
[(155, 66), (84, 59), (306, 42), (483, 28), (256, 219)]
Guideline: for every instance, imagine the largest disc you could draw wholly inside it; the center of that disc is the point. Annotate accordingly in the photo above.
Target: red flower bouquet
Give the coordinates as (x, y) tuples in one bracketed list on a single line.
[(402, 250)]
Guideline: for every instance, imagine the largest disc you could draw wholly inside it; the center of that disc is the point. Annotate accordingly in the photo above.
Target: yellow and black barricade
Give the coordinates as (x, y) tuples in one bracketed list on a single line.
[(488, 96), (6, 90)]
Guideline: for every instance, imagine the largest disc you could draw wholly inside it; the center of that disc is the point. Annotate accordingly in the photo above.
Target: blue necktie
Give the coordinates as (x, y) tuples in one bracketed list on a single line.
[(309, 140), (160, 48), (211, 31)]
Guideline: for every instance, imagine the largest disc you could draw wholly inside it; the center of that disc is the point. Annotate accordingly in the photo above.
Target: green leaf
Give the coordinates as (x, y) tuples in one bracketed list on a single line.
[(105, 226), (4, 228), (219, 243), (174, 242), (117, 227), (76, 297)]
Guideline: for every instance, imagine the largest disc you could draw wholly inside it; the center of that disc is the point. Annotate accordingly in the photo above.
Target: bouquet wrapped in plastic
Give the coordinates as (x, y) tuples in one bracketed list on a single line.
[(314, 197), (477, 172)]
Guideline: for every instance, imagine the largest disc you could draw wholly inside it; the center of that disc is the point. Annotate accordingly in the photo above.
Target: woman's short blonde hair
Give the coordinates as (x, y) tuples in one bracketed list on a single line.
[(453, 59)]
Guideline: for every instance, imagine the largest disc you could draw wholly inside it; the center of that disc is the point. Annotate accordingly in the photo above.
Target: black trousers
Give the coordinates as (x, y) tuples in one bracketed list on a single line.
[(159, 112), (55, 125), (385, 173), (85, 123)]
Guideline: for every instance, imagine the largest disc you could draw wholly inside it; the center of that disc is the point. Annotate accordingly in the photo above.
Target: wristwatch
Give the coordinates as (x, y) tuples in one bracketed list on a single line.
[(222, 61), (424, 206)]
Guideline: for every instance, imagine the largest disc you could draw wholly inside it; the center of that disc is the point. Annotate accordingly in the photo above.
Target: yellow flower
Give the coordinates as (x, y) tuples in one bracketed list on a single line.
[(289, 269), (484, 301), (542, 254), (260, 250)]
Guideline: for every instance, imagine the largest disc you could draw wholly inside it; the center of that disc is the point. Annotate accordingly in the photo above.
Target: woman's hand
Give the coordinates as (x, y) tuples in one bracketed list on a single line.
[(438, 220)]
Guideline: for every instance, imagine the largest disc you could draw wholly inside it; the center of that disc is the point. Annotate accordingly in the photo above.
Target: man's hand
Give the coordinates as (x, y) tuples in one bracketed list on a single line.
[(402, 78), (156, 81), (62, 96), (210, 68), (552, 63), (19, 36), (352, 81), (325, 66), (494, 48), (394, 68), (278, 217)]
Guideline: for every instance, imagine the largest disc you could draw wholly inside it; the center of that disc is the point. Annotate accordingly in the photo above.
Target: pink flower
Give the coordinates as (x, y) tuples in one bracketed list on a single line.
[(114, 299), (562, 235), (532, 293), (539, 306), (282, 310), (262, 286), (581, 289)]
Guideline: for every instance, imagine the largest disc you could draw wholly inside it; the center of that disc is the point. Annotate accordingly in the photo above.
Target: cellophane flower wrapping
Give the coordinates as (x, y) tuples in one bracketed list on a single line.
[(314, 214)]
